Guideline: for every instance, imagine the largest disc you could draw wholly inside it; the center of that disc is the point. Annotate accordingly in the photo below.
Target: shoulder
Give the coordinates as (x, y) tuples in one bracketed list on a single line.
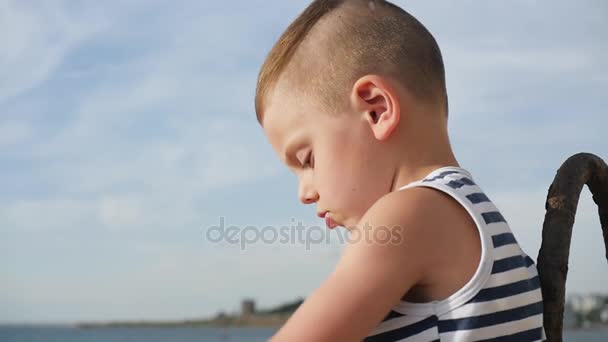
[(392, 223), (410, 226), (415, 212), (419, 208)]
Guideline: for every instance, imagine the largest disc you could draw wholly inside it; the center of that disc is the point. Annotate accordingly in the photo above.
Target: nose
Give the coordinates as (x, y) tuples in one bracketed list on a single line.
[(307, 193)]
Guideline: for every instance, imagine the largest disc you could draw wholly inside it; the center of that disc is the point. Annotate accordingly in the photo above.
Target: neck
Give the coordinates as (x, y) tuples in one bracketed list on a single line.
[(428, 149)]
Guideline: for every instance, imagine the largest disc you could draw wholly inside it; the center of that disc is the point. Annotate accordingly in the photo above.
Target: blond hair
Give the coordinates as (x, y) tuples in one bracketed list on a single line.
[(334, 42)]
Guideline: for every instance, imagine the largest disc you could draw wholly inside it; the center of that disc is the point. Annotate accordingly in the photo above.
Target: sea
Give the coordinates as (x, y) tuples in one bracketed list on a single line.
[(183, 334)]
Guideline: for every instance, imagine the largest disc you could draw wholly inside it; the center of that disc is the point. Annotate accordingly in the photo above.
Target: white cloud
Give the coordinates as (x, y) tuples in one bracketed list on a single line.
[(14, 132), (116, 211), (35, 41), (504, 59), (54, 214)]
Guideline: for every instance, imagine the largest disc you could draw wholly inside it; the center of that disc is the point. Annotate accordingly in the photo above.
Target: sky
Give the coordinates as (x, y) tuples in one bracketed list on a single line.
[(128, 131)]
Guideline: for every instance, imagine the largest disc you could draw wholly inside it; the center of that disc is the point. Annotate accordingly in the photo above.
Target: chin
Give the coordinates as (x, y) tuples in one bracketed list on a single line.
[(349, 224)]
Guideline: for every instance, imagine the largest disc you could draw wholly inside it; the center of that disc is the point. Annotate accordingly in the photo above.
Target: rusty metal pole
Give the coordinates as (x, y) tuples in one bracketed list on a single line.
[(562, 200)]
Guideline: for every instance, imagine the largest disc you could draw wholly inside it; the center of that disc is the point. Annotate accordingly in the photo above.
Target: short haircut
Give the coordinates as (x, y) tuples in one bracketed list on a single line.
[(332, 43)]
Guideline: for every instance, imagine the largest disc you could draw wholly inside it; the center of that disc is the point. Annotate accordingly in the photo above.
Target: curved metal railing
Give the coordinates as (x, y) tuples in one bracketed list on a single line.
[(561, 204)]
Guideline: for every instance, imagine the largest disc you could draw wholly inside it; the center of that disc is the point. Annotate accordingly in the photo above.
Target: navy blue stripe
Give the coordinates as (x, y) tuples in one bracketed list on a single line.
[(506, 290), (507, 264), (503, 239), (478, 197), (494, 318), (392, 314), (493, 217), (439, 176), (525, 336), (529, 261), (467, 181), (455, 184), (403, 332)]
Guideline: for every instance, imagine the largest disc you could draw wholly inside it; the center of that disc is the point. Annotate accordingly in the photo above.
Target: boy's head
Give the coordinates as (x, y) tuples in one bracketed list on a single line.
[(349, 89)]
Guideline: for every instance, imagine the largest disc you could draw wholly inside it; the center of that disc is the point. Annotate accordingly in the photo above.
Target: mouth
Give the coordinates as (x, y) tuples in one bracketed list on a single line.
[(329, 222)]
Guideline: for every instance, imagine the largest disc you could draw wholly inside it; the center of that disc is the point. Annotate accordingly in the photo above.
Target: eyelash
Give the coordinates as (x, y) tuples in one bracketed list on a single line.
[(309, 161)]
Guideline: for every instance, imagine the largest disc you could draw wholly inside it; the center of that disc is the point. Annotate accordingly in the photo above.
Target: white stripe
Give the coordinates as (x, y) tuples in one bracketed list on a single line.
[(496, 228), (507, 251), (482, 308), (533, 271), (395, 323), (497, 330), (511, 276), (469, 190), (482, 207)]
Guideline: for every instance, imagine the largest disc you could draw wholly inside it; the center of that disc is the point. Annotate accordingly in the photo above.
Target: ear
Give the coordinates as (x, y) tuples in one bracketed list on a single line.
[(376, 100)]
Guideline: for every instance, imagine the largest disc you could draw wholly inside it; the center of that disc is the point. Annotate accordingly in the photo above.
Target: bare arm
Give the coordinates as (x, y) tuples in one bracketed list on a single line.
[(372, 275)]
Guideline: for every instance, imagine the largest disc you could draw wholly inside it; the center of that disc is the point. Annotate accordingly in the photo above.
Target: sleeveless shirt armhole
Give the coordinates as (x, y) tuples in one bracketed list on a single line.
[(472, 287)]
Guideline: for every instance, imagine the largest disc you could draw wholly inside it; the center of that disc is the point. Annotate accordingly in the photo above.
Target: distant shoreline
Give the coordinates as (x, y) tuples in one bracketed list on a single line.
[(188, 324), (254, 320), (268, 318), (249, 318)]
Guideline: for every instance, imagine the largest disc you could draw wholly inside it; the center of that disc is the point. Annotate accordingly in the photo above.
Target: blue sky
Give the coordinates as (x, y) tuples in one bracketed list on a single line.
[(127, 129)]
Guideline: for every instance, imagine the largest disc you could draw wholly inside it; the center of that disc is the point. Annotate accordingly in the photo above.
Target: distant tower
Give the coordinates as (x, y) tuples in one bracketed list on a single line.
[(247, 307)]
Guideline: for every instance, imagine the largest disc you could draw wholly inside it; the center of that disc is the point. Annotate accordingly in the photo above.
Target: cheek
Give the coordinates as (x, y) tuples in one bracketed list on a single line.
[(347, 176), (361, 175), (350, 172)]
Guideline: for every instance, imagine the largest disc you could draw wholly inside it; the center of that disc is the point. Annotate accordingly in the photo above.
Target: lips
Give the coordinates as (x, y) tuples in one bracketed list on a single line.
[(331, 224)]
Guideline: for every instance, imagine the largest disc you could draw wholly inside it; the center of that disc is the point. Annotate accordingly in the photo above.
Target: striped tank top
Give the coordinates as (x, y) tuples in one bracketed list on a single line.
[(501, 302)]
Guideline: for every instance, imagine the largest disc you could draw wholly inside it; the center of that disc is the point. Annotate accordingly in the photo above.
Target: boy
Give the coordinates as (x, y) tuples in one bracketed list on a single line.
[(352, 98)]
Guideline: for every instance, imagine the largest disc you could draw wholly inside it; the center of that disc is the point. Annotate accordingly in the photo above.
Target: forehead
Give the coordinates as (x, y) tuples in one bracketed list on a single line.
[(284, 114)]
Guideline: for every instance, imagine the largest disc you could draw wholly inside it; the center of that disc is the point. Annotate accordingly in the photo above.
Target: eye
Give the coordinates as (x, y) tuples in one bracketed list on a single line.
[(309, 161)]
